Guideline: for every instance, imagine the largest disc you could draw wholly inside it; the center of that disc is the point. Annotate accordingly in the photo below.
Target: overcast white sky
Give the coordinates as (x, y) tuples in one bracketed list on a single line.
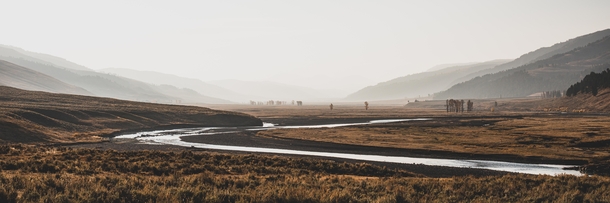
[(309, 43)]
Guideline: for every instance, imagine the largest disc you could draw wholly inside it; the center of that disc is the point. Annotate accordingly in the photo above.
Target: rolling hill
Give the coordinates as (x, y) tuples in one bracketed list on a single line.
[(543, 53), (99, 84), (16, 76), (33, 116), (409, 86), (15, 52), (555, 73), (180, 82), (591, 84), (421, 83), (443, 66)]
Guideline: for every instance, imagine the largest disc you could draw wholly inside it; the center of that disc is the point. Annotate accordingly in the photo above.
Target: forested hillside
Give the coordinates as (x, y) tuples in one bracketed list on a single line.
[(555, 73), (592, 83), (543, 53)]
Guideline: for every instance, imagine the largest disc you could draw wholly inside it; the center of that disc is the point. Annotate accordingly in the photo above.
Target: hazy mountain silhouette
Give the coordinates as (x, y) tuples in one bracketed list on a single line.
[(264, 90), (100, 84), (15, 52), (543, 53), (555, 73), (16, 76), (187, 95), (97, 83), (443, 66), (421, 83), (180, 82)]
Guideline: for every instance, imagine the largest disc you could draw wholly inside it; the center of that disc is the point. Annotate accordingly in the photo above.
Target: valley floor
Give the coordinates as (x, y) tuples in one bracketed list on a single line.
[(504, 134), (126, 171)]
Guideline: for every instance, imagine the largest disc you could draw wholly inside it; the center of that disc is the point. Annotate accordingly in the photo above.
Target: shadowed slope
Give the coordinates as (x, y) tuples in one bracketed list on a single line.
[(99, 84), (543, 53), (421, 83), (16, 76), (29, 116), (11, 51), (555, 73), (180, 82)]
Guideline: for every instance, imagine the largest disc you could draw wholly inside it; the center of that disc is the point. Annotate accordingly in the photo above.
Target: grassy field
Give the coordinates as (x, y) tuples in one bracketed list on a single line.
[(50, 174), (38, 173), (551, 135), (519, 130), (29, 116), (572, 137)]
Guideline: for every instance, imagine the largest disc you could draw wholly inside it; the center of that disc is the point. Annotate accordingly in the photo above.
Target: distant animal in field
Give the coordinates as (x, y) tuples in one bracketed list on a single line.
[(366, 105), (299, 103)]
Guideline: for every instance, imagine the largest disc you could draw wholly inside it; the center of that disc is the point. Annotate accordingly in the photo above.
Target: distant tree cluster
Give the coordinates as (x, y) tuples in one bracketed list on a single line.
[(454, 105), (591, 83), (271, 102), (552, 94), (470, 106)]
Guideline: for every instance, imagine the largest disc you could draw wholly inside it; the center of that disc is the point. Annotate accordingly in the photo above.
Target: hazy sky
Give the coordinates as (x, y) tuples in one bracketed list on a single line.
[(340, 44)]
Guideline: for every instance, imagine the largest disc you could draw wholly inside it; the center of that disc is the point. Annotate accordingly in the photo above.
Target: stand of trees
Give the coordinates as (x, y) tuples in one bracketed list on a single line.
[(552, 94), (591, 84)]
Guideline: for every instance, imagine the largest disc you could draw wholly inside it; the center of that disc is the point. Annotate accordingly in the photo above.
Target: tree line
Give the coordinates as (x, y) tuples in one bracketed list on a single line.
[(591, 84)]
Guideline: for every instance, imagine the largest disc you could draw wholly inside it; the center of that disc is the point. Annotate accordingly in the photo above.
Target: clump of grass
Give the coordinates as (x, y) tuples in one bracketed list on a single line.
[(44, 159)]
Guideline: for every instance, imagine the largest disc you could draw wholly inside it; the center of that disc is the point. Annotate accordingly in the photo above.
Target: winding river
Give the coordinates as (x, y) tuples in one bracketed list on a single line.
[(172, 137)]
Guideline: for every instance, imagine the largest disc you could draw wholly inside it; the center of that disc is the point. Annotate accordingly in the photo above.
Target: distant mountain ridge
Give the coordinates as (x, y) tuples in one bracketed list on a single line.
[(555, 73), (544, 53), (13, 75), (429, 82), (421, 83), (96, 84), (10, 51), (443, 66), (265, 90), (177, 81)]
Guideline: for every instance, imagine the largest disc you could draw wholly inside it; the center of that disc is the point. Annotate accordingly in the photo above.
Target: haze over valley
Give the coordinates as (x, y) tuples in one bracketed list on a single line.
[(550, 68), (222, 53), (305, 101)]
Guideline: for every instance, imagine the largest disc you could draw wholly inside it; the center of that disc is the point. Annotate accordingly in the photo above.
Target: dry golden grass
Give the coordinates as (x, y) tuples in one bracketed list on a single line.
[(29, 116), (47, 174), (542, 136)]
